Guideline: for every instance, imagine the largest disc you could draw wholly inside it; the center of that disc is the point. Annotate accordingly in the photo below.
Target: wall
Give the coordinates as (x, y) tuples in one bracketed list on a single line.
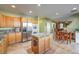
[(43, 25), (75, 23)]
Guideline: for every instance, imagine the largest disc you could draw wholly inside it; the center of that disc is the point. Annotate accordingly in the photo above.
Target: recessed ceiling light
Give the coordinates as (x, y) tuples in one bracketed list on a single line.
[(74, 9), (13, 6), (38, 5), (57, 13), (30, 11)]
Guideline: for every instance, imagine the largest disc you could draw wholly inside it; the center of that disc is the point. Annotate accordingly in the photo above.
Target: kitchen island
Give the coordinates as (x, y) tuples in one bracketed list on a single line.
[(41, 43)]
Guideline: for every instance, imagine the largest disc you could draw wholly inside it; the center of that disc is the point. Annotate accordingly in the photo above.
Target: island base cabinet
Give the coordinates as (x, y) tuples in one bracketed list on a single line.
[(40, 44), (47, 43), (34, 45)]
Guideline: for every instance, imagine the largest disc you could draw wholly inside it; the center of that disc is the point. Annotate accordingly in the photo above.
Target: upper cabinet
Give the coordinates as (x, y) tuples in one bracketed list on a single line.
[(30, 20), (34, 21), (9, 21), (2, 21), (17, 22), (24, 20)]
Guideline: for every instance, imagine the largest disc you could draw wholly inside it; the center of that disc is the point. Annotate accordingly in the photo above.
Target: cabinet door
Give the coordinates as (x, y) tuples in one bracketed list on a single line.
[(4, 46), (18, 37), (47, 43), (35, 45), (11, 38), (41, 45), (2, 21), (17, 22), (29, 20), (9, 21), (34, 21), (1, 49), (24, 20)]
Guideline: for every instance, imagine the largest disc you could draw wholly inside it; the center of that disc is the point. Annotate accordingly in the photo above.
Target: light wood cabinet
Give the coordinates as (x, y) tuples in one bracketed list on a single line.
[(35, 45), (24, 20), (12, 21), (11, 38), (3, 46), (47, 43), (34, 21), (29, 20), (18, 37), (17, 22), (2, 21), (14, 38), (40, 44), (9, 21)]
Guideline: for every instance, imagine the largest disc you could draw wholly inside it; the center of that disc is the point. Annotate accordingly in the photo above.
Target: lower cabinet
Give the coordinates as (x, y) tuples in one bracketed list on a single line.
[(14, 38), (18, 37), (2, 49), (3, 46), (2, 21), (11, 38)]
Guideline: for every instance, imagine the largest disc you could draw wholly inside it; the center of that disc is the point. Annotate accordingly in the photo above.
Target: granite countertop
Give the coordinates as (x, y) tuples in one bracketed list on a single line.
[(41, 35)]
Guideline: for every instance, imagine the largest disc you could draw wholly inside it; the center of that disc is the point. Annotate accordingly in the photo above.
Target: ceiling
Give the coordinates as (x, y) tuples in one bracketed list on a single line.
[(45, 10)]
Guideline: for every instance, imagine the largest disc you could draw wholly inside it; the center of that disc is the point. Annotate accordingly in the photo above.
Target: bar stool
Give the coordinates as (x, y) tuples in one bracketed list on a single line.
[(66, 37), (61, 35), (70, 37)]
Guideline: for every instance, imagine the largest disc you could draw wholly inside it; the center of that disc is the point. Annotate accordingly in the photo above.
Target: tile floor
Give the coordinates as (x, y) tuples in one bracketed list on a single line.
[(19, 48), (57, 48)]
